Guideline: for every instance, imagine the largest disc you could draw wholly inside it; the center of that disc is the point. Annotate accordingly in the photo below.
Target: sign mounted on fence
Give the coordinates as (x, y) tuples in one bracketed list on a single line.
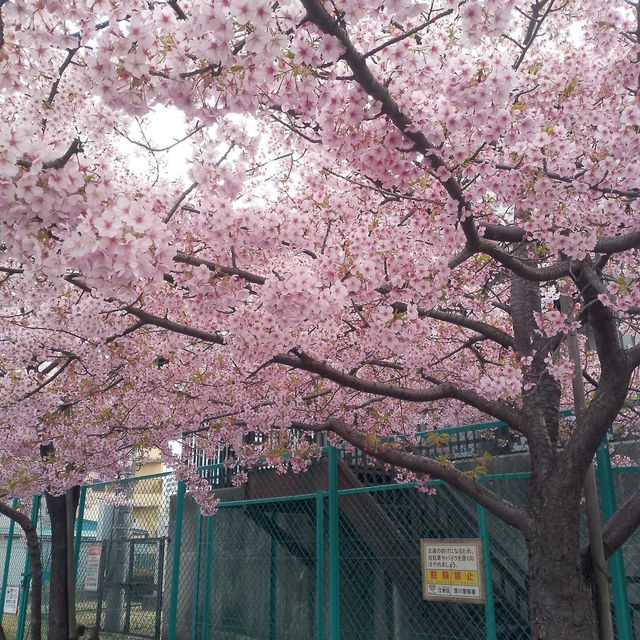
[(11, 597), (452, 569), (92, 575)]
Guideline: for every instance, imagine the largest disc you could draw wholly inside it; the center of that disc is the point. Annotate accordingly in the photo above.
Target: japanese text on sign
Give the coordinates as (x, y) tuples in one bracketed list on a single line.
[(92, 575), (11, 596), (452, 570)]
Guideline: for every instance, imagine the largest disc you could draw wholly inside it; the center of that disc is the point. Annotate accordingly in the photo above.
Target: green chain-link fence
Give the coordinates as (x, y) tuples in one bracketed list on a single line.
[(333, 553)]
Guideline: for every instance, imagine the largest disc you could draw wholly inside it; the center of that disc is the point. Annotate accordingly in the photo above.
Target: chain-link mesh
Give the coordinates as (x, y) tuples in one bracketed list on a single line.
[(150, 564), (256, 559), (121, 555), (626, 481), (508, 554)]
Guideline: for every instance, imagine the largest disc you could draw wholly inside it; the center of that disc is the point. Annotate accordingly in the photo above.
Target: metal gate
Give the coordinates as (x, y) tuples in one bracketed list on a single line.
[(130, 594)]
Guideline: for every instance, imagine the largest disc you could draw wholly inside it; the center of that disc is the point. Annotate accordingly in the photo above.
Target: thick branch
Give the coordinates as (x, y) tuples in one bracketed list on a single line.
[(615, 375), (633, 356), (299, 360), (503, 509), (181, 15), (502, 233), (551, 272), (488, 331), (622, 524), (607, 244), (618, 244), (11, 270)]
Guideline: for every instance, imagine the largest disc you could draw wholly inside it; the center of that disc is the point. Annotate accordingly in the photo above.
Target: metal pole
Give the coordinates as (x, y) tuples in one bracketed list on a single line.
[(128, 594), (196, 578), (175, 570), (273, 591), (26, 579), (489, 604), (594, 521), (7, 561), (71, 577), (79, 519), (208, 553), (320, 565), (624, 627), (334, 549)]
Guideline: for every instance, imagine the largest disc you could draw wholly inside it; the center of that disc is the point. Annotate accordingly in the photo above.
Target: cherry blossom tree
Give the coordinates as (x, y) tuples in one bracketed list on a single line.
[(385, 201)]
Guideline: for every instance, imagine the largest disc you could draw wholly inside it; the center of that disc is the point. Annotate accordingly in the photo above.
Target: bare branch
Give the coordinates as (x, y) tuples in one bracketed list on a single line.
[(508, 512), (11, 270), (61, 70), (375, 362), (74, 148), (296, 130), (407, 34), (180, 199), (618, 244), (502, 233), (50, 379), (535, 22), (126, 332), (175, 327), (218, 268), (178, 10), (196, 129), (187, 191)]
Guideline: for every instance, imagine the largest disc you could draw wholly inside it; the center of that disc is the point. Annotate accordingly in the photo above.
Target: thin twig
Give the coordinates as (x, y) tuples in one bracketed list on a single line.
[(177, 203)]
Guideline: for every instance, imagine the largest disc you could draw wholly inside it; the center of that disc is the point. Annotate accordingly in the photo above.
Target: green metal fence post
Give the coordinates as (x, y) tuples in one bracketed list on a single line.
[(175, 573), (26, 579), (78, 538), (7, 561), (196, 578), (489, 605), (208, 554), (604, 474), (273, 590), (334, 549), (320, 565)]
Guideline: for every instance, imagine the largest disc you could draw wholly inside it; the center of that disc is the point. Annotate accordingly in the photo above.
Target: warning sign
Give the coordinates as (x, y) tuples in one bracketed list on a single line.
[(92, 575), (452, 570), (11, 597)]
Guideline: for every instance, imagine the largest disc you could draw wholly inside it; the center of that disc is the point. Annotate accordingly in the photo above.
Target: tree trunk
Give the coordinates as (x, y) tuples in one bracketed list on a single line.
[(33, 547), (561, 603), (58, 592)]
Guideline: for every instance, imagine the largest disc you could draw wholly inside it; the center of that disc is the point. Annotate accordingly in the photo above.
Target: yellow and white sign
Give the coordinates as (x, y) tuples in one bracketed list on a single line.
[(452, 569)]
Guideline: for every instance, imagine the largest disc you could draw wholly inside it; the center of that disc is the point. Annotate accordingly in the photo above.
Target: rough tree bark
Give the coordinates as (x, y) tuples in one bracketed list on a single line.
[(58, 593), (561, 603)]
